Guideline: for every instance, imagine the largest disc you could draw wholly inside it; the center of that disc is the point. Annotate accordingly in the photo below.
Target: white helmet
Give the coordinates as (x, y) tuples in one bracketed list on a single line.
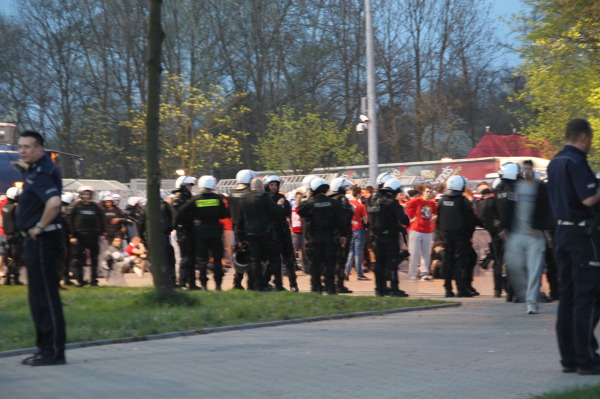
[(182, 180), (382, 178), (207, 182), (83, 189), (133, 201), (13, 192), (392, 185), (268, 179), (67, 198), (104, 193), (306, 180), (456, 183), (116, 198), (509, 170), (338, 183), (108, 198), (244, 176), (317, 182)]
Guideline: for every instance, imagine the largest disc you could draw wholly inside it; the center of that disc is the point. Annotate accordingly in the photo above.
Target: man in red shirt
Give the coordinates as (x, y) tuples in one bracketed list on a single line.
[(422, 213), (358, 234)]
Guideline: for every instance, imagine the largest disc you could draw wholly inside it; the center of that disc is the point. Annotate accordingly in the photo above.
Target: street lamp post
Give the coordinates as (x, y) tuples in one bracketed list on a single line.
[(371, 100)]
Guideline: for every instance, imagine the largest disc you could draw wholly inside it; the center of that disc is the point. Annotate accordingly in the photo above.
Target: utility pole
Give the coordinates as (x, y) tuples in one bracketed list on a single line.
[(373, 150)]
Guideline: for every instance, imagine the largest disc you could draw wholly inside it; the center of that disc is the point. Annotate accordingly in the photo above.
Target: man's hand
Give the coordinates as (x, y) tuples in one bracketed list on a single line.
[(34, 232)]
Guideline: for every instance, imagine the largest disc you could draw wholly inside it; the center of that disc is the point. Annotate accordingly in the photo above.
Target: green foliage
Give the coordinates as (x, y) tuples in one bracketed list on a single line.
[(561, 67), (301, 142), (119, 312), (198, 128)]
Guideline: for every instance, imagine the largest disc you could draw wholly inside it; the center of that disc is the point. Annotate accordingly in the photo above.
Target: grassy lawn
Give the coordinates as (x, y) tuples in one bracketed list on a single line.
[(585, 392), (119, 312)]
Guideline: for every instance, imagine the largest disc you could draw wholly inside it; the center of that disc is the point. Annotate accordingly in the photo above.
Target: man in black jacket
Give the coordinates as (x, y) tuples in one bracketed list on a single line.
[(387, 221), (321, 217), (202, 213), (256, 226)]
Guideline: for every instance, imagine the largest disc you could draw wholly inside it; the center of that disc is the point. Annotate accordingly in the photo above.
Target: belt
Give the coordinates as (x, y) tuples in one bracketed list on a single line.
[(567, 223), (50, 227)]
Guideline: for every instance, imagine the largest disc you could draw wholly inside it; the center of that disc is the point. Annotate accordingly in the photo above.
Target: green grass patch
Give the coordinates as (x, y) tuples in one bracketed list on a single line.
[(584, 392), (118, 312)]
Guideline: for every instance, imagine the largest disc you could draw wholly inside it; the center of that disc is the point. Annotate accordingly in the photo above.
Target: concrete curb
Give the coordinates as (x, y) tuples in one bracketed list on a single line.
[(210, 330)]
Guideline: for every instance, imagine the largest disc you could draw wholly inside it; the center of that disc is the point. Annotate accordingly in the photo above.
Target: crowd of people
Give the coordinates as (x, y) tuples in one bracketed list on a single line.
[(327, 230)]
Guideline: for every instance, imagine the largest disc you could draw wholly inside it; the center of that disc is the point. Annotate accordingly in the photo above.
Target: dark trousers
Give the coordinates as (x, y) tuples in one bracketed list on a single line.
[(13, 259), (387, 258), (578, 263), (87, 240), (497, 247), (187, 265), (170, 259), (457, 245), (214, 246), (42, 259), (264, 253), (289, 256), (322, 263)]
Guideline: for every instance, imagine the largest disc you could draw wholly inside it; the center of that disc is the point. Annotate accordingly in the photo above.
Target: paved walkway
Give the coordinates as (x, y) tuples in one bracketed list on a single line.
[(486, 349)]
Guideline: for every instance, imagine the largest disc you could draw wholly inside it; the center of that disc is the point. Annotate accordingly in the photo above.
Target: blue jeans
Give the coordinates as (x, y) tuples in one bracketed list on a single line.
[(356, 247)]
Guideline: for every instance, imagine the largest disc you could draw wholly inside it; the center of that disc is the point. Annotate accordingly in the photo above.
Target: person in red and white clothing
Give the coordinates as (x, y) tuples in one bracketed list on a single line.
[(358, 234), (422, 213), (297, 236)]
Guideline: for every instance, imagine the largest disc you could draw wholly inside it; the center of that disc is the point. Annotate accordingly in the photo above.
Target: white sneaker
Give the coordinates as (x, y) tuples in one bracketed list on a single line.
[(532, 309), (138, 271), (426, 278)]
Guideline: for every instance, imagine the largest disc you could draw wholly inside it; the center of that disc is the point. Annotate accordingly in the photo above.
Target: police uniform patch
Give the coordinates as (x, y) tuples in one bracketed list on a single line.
[(201, 203)]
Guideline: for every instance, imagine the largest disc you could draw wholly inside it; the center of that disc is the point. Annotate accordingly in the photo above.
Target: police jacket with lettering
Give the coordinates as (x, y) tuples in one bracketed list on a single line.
[(202, 213), (109, 215), (455, 213), (386, 215), (347, 211), (321, 217), (258, 215), (9, 213), (87, 217)]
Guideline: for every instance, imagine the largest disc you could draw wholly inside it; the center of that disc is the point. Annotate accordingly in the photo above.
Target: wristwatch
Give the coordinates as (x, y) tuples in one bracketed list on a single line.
[(39, 226)]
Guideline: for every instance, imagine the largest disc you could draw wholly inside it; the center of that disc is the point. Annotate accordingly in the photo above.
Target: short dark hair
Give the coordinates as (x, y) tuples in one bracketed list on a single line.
[(39, 140), (577, 127), (356, 190), (528, 162)]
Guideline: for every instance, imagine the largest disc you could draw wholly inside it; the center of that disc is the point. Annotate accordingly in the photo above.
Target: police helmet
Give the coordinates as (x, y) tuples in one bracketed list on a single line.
[(382, 178), (244, 176), (108, 198), (241, 259), (67, 198), (13, 193), (104, 193), (496, 183), (183, 180), (509, 171), (340, 183), (116, 198), (306, 180), (392, 185), (133, 201), (318, 183), (272, 178), (208, 182), (456, 183)]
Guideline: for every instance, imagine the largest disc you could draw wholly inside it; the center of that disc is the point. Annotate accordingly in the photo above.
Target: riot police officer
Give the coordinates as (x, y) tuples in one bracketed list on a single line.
[(322, 216), (574, 193), (243, 178), (457, 221), (184, 240), (113, 218), (387, 221), (201, 214), (70, 248), (87, 221), (284, 238), (338, 187), (14, 239)]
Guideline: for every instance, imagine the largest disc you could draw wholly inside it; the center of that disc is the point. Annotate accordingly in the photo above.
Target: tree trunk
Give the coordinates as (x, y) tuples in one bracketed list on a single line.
[(155, 237)]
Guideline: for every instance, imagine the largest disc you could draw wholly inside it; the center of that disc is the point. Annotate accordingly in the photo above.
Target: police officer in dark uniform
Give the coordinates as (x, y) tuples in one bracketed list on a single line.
[(338, 187), (256, 226), (202, 213), (321, 217), (114, 218), (185, 241), (87, 221), (14, 238), (70, 248), (284, 238), (38, 216), (243, 178), (456, 220), (574, 193), (387, 220)]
